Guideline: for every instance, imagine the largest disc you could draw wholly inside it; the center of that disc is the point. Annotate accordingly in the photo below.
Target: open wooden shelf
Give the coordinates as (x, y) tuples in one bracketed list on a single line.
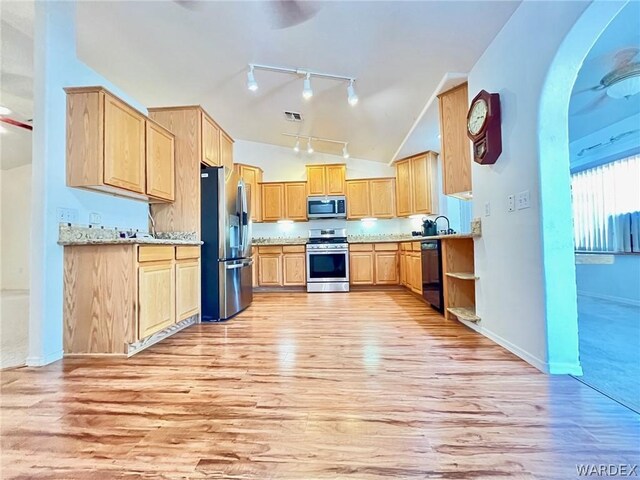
[(462, 275), (464, 313)]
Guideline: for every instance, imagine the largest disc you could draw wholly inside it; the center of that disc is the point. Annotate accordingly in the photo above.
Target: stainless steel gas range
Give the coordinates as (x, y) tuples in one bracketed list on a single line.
[(328, 260)]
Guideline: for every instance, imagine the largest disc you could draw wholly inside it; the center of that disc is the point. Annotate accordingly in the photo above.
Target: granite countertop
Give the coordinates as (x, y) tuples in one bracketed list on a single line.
[(85, 235), (256, 242), (404, 238)]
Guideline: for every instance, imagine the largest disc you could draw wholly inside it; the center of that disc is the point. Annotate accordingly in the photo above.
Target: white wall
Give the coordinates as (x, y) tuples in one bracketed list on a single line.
[(510, 291), (16, 212), (56, 66)]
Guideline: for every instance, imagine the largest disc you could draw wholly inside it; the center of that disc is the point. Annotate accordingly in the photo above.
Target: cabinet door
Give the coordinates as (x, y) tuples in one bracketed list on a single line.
[(295, 201), (270, 270), (210, 142), (160, 163), (383, 197), (294, 271), (403, 188), (422, 181), (358, 205), (252, 176), (403, 268), (272, 201), (335, 180), (455, 149), (226, 150), (256, 268), (187, 289), (361, 265), (416, 273), (316, 179), (124, 146), (156, 298), (386, 271)]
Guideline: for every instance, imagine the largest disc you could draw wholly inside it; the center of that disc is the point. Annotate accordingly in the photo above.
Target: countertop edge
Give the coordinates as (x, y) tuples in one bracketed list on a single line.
[(455, 236), (132, 241)]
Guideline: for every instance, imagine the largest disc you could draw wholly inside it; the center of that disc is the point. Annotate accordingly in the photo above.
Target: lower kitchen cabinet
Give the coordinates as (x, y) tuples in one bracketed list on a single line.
[(294, 269), (270, 269), (281, 266), (116, 297), (411, 266), (374, 264), (387, 268), (361, 267)]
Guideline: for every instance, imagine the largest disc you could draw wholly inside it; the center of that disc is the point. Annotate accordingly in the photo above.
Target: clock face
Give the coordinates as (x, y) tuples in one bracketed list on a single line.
[(477, 117)]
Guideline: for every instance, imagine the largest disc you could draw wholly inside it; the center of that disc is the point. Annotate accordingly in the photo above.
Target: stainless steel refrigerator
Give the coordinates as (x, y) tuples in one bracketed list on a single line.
[(226, 253)]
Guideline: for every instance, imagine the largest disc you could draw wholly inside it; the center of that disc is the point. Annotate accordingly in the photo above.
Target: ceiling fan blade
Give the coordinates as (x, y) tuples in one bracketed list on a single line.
[(624, 57), (593, 105), (289, 13), (590, 89)]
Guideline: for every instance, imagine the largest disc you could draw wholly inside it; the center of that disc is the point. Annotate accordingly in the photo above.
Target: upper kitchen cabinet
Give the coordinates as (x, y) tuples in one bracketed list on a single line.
[(373, 197), (284, 201), (416, 189), (113, 148), (326, 179), (252, 177), (226, 150), (210, 142), (455, 148)]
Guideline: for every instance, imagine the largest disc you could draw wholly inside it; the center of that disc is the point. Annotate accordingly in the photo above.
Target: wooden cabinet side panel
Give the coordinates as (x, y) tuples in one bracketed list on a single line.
[(383, 197), (160, 163), (294, 269), (295, 201), (455, 145), (183, 215), (156, 297), (124, 146), (85, 129), (99, 298)]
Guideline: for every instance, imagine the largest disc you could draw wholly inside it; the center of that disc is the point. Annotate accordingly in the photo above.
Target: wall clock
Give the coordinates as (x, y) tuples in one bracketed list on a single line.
[(484, 127)]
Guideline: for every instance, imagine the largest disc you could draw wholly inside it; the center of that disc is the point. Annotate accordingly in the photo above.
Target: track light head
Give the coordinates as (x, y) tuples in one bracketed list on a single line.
[(351, 94), (307, 93), (5, 110), (309, 147), (296, 147), (345, 152), (251, 80)]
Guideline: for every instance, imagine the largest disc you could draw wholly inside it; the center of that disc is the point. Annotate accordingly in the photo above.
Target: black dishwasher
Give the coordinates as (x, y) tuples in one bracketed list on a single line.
[(432, 274)]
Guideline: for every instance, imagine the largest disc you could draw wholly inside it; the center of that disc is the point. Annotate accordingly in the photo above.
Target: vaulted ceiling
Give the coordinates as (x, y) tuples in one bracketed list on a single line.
[(189, 52)]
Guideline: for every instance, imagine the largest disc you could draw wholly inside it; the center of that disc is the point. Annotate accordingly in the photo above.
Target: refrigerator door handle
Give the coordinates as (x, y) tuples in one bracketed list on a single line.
[(234, 266)]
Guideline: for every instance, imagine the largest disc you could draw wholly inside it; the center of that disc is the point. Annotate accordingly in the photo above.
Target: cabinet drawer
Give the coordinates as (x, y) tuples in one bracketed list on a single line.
[(270, 249), (386, 247), (361, 247), (415, 246), (293, 249), (187, 252), (155, 253), (405, 247)]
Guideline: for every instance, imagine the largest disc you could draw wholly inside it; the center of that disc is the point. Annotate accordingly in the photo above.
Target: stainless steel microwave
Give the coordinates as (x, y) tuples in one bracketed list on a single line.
[(327, 207)]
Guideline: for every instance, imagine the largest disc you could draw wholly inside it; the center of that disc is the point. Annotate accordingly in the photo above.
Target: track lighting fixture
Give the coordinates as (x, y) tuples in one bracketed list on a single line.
[(307, 91), (296, 148), (345, 152), (251, 80), (309, 139), (4, 110), (309, 147), (352, 98)]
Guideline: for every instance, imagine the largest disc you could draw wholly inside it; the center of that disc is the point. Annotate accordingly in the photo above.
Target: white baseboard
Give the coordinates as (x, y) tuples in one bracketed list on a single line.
[(611, 298), (38, 361)]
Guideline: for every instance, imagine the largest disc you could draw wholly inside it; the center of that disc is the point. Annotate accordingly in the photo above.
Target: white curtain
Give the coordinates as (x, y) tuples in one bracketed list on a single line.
[(606, 207)]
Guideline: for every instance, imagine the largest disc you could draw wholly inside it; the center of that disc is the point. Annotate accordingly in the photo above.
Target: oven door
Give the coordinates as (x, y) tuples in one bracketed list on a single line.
[(319, 208), (327, 266)]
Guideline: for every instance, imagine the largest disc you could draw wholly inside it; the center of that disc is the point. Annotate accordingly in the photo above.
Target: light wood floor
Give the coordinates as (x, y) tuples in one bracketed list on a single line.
[(366, 385)]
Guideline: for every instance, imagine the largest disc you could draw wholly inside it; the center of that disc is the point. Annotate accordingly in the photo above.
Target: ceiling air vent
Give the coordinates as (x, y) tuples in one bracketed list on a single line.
[(293, 116)]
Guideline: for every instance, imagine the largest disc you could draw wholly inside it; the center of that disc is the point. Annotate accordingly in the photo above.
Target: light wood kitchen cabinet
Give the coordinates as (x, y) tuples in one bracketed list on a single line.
[(294, 268), (113, 148), (211, 146), (121, 298), (414, 272), (295, 201), (284, 201), (252, 177), (272, 201), (156, 298), (403, 268), (160, 162), (382, 192), (361, 268), (226, 150), (326, 179), (386, 264), (269, 269), (256, 267), (370, 198), (358, 199), (455, 147), (416, 191)]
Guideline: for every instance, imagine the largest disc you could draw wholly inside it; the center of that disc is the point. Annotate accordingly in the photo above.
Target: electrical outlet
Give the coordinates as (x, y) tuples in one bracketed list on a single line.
[(95, 218), (523, 200), (511, 203), (487, 209), (67, 215)]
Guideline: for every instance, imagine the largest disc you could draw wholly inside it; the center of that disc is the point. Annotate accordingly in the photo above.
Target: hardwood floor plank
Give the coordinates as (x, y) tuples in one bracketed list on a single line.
[(367, 385)]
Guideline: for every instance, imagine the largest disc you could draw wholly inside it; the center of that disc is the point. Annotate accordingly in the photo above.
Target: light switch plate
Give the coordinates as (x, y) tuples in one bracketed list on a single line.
[(511, 203), (67, 215), (522, 201), (95, 218), (487, 209)]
